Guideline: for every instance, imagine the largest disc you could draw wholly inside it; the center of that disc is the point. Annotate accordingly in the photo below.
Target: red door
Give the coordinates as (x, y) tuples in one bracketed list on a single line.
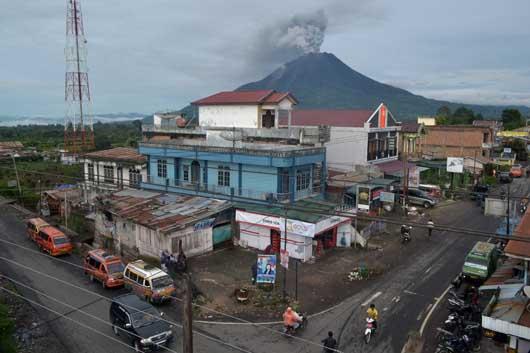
[(275, 241)]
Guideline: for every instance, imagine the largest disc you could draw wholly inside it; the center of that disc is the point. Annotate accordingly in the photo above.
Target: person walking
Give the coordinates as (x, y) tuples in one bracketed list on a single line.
[(430, 226), (330, 343)]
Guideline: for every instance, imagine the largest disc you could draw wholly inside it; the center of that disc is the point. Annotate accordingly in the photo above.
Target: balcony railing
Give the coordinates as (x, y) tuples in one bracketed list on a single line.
[(232, 192)]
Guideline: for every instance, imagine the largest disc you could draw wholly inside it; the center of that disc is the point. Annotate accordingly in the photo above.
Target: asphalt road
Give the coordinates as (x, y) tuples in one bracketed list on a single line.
[(402, 295)]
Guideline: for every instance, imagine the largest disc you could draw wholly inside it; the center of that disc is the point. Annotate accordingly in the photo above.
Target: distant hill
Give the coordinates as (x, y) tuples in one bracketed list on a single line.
[(11, 120), (321, 80)]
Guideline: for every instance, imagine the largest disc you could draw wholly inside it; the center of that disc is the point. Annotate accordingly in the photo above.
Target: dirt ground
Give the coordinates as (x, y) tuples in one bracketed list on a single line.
[(32, 334), (320, 285)]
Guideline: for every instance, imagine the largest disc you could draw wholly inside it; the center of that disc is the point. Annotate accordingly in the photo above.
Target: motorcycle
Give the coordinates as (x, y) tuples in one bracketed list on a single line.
[(289, 331), (405, 233), (522, 209), (369, 331)]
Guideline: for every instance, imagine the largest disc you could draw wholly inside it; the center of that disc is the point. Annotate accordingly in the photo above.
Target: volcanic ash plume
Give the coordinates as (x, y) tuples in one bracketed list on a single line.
[(288, 39)]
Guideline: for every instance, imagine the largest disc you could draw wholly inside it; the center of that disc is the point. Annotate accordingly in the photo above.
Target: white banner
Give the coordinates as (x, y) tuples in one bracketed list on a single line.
[(329, 223), (258, 219), (414, 177), (455, 165), (298, 227)]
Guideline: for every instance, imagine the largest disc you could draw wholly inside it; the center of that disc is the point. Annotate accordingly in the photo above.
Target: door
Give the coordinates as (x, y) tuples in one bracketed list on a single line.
[(275, 241), (222, 233), (195, 172)]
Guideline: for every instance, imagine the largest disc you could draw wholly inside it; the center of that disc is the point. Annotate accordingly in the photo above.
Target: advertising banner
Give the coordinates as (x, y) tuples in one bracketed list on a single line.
[(329, 223), (266, 269), (363, 197), (414, 177), (298, 227), (387, 197), (455, 165), (258, 219)]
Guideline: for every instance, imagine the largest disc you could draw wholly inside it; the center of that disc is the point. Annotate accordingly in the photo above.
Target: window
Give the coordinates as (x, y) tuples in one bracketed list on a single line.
[(303, 179), (108, 174), (186, 172), (90, 168), (161, 166), (135, 178), (223, 176)]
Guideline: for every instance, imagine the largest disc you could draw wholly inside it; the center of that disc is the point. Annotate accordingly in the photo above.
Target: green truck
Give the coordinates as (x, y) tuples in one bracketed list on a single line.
[(481, 261)]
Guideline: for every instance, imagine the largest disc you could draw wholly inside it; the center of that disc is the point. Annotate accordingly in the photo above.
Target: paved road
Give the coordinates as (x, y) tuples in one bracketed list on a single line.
[(403, 295)]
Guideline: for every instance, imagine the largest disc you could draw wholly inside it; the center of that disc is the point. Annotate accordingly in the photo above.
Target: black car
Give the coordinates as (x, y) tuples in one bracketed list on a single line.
[(505, 177), (139, 323)]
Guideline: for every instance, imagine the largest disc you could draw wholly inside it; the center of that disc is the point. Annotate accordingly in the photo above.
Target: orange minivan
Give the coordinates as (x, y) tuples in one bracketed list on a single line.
[(33, 226), (53, 241), (104, 267)]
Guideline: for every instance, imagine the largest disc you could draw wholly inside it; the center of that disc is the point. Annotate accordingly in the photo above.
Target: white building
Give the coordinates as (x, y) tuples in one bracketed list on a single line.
[(114, 169), (357, 137)]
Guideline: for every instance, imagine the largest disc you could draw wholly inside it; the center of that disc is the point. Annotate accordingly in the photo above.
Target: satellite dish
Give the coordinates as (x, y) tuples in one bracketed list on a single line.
[(526, 290)]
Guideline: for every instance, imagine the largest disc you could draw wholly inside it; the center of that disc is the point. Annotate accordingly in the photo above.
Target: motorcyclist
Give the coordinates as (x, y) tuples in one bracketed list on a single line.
[(330, 343), (291, 319), (373, 314)]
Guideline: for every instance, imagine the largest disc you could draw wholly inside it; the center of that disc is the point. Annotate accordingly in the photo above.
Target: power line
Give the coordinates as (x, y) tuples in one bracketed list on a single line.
[(108, 299), (73, 308)]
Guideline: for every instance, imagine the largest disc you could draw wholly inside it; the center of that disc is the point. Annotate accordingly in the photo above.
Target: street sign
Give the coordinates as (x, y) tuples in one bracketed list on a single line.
[(387, 197), (455, 165), (284, 258)]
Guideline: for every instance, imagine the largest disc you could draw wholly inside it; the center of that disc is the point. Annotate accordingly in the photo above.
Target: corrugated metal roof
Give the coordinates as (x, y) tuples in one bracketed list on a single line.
[(118, 154), (520, 248), (162, 212)]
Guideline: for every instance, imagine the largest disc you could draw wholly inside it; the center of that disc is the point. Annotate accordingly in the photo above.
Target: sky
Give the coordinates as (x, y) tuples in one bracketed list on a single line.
[(146, 56)]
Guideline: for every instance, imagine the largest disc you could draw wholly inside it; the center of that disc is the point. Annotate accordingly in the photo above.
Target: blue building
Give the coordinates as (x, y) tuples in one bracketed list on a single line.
[(236, 150)]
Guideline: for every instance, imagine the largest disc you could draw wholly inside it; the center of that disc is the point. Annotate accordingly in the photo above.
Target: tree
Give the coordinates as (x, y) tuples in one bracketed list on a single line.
[(519, 148), (443, 111), (463, 115), (512, 119)]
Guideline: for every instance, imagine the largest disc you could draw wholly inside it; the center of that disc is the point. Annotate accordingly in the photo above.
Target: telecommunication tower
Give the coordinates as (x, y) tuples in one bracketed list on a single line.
[(78, 127)]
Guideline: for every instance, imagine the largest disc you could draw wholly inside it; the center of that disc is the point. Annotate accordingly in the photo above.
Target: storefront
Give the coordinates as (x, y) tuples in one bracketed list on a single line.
[(305, 238)]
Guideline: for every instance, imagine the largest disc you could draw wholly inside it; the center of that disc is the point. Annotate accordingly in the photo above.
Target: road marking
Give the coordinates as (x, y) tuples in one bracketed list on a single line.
[(371, 298), (424, 311), (432, 310), (428, 270), (409, 292)]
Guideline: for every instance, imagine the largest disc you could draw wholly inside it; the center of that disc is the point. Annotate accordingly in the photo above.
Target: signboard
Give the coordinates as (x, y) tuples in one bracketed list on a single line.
[(376, 193), (298, 227), (205, 223), (284, 258), (387, 197), (363, 197), (12, 183), (455, 165), (329, 223), (258, 219), (266, 269), (507, 150), (414, 177)]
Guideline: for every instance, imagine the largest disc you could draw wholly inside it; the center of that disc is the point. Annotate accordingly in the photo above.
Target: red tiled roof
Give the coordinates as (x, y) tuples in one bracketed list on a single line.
[(245, 97), (118, 154), (520, 248), (393, 166), (338, 118)]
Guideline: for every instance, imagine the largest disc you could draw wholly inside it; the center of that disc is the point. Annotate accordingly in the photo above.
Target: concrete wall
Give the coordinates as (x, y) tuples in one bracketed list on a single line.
[(347, 147), (242, 116)]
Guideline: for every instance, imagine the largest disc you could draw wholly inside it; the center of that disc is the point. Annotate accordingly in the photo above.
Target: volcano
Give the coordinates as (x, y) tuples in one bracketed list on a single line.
[(321, 80)]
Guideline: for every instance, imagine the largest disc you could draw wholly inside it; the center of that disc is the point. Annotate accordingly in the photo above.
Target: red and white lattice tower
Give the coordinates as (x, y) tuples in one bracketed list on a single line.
[(78, 127)]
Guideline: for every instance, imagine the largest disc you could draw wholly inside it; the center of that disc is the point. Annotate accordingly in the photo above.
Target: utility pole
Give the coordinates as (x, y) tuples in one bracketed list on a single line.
[(508, 212), (65, 209), (16, 173), (187, 317), (285, 249), (474, 166)]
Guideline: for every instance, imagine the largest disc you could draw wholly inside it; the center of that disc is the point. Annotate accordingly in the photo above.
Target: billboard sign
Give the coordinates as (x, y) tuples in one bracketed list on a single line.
[(266, 269), (455, 165), (414, 177), (387, 197), (363, 197)]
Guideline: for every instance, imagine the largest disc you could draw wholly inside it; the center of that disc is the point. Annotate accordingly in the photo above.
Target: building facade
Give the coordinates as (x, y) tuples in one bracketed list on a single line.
[(113, 169), (444, 141), (357, 137), (236, 150)]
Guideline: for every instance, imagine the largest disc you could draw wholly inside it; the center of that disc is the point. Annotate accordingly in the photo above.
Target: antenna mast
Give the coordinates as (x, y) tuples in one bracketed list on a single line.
[(78, 127)]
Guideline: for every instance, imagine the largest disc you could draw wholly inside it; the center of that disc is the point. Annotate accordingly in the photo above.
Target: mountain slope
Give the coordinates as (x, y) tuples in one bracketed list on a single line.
[(321, 80)]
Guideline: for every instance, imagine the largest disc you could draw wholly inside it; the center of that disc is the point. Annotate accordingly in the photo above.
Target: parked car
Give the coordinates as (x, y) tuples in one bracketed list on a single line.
[(505, 177), (432, 190), (479, 192), (516, 171), (51, 240), (33, 225), (139, 323), (148, 282), (418, 197), (105, 268)]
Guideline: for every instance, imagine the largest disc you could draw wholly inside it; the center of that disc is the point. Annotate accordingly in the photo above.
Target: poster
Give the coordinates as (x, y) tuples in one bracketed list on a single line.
[(284, 258), (266, 269), (414, 177), (455, 165), (363, 198)]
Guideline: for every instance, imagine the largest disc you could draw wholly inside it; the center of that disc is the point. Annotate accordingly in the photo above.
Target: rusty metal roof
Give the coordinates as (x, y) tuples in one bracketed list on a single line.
[(520, 249), (162, 212), (117, 154)]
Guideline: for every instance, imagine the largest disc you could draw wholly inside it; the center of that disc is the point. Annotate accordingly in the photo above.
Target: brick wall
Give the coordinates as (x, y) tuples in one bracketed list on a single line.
[(456, 141)]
